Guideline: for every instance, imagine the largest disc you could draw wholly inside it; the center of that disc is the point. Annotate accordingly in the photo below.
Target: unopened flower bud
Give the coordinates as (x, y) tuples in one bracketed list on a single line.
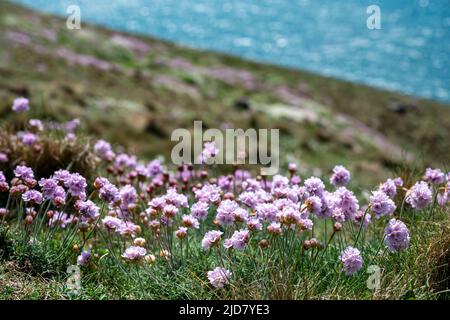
[(292, 167), (164, 254), (59, 202), (3, 212), (31, 183), (50, 214), (139, 242), (84, 227), (263, 243), (4, 186), (137, 229), (132, 207), (337, 226), (150, 259), (28, 219)]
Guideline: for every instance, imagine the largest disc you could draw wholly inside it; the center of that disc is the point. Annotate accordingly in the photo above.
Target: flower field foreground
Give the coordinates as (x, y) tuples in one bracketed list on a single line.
[(146, 230)]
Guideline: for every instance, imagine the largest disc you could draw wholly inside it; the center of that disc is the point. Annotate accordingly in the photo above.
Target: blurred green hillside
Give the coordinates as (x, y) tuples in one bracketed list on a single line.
[(134, 91)]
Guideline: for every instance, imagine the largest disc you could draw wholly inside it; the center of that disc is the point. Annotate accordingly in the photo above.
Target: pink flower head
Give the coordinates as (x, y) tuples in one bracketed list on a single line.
[(84, 258), (125, 161), (274, 228), (419, 196), (225, 183), (103, 150), (181, 232), (313, 205), (434, 176), (32, 196), (238, 240), (345, 200), (109, 193), (209, 193), (3, 157), (289, 216), (219, 277), (351, 260), (36, 124), (28, 138), (396, 236), (76, 185), (87, 209), (48, 187), (199, 210), (267, 211), (61, 175), (209, 152), (24, 173), (158, 202), (279, 182), (305, 224), (112, 223), (225, 212), (2, 177), (155, 167), (254, 224), (340, 176), (240, 215), (249, 198), (60, 219), (190, 221), (389, 188), (211, 238), (177, 199), (20, 105), (170, 210), (70, 137), (134, 254), (128, 196), (127, 229), (444, 197), (381, 204), (314, 186)]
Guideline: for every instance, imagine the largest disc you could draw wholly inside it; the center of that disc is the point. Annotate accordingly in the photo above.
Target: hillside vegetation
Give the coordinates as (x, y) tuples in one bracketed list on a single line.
[(89, 209), (134, 91)]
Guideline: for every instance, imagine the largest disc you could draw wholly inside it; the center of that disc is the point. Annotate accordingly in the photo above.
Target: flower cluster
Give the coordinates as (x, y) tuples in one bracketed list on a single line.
[(396, 235)]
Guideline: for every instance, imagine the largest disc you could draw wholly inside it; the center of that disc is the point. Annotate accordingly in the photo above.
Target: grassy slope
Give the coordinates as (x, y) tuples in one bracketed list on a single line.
[(153, 91)]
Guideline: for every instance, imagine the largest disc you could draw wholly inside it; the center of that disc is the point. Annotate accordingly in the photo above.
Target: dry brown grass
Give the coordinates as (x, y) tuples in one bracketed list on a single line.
[(16, 285)]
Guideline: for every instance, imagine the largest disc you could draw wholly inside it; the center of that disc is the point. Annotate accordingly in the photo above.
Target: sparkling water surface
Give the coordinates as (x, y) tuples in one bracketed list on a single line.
[(411, 52)]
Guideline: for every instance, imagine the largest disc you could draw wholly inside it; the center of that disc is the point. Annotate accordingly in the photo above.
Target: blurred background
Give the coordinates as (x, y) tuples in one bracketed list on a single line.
[(339, 92), (409, 53)]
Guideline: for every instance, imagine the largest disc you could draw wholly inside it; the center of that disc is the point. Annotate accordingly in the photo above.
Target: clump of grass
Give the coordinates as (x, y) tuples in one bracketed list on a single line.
[(438, 254), (6, 247), (18, 285), (46, 259)]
